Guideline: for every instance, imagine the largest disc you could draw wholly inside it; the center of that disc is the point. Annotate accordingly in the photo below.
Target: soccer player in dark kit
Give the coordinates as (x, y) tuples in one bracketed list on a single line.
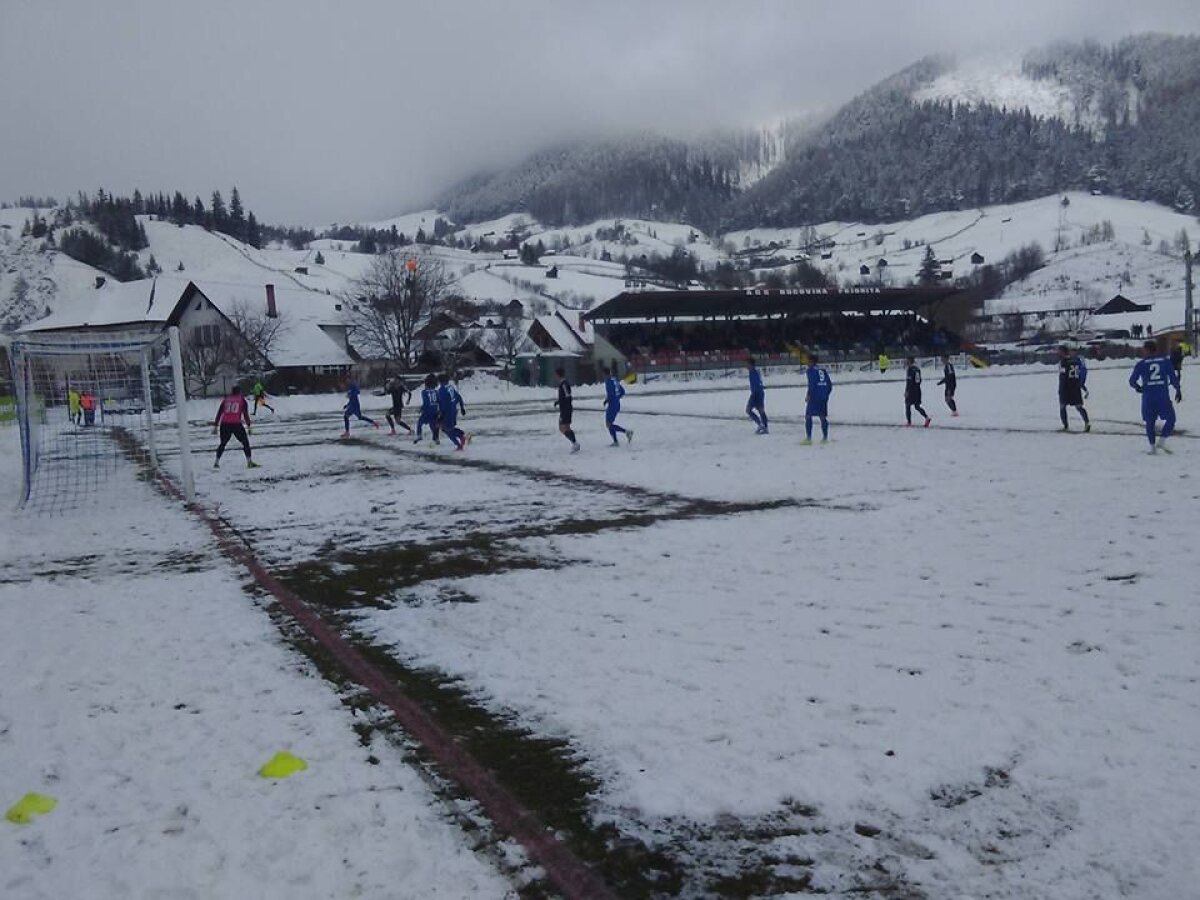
[(400, 392), (912, 393), (1072, 386), (566, 408), (950, 380)]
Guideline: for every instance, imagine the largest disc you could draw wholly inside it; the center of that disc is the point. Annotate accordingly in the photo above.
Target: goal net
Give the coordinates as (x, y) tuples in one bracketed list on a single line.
[(91, 410)]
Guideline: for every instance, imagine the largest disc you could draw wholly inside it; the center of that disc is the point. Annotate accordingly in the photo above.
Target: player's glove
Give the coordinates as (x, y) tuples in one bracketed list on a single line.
[(1086, 393), (1179, 396), (1138, 388)]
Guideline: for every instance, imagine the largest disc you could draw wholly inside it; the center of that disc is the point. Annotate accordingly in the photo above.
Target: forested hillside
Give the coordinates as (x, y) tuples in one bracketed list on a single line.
[(1132, 129), (646, 175)]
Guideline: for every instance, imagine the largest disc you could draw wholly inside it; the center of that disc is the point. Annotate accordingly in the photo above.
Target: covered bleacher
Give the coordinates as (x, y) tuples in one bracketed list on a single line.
[(665, 330)]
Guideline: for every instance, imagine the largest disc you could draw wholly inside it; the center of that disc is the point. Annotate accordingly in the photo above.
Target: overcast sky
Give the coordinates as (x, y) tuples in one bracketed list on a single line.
[(335, 111)]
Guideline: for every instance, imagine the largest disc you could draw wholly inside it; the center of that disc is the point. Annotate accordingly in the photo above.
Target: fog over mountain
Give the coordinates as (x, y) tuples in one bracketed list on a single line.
[(940, 134), (323, 112)]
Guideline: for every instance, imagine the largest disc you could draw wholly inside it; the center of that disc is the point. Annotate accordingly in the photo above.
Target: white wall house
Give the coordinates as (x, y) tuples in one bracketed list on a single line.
[(310, 350)]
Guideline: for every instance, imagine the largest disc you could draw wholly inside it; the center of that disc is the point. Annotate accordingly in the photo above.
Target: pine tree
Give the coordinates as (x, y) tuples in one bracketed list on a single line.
[(253, 232), (237, 216), (930, 270), (180, 211), (218, 220)]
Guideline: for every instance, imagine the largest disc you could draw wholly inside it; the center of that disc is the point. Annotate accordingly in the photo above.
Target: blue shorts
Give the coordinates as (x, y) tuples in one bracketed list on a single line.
[(1156, 407), (611, 412), (817, 408)]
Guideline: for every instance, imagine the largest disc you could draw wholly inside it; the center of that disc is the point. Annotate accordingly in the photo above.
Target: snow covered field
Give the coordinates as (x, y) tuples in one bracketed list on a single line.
[(954, 662)]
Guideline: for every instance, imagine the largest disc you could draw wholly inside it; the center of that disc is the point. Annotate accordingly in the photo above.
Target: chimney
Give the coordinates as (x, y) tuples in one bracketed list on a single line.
[(272, 312), (99, 282)]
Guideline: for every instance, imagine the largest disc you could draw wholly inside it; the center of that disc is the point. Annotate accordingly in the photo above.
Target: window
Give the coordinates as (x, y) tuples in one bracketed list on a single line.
[(207, 335)]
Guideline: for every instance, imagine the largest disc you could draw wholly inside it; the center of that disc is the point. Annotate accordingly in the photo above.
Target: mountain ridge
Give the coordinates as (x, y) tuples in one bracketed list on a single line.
[(1120, 119)]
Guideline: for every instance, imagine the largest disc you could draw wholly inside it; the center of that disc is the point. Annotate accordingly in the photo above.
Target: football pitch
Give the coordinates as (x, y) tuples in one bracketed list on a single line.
[(946, 662)]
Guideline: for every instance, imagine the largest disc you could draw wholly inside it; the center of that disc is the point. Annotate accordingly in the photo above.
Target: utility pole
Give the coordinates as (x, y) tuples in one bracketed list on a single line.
[(1189, 310)]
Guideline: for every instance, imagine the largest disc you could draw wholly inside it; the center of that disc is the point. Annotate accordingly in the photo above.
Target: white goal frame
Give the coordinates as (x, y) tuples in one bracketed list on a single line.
[(49, 369)]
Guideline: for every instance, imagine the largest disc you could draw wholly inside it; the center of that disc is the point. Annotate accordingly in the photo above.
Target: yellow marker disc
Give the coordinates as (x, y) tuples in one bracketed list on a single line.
[(281, 765), (23, 811)]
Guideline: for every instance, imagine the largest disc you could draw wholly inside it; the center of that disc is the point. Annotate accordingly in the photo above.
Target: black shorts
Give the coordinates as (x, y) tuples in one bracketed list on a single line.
[(913, 398), (564, 416), (396, 412), (1070, 396), (950, 388), (237, 430)]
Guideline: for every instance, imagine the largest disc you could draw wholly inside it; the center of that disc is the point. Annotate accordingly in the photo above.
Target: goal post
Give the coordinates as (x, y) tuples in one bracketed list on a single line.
[(94, 410)]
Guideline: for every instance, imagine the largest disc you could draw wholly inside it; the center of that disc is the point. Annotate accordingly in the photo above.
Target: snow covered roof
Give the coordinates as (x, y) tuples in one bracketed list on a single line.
[(114, 304), (311, 334), (576, 336), (308, 318)]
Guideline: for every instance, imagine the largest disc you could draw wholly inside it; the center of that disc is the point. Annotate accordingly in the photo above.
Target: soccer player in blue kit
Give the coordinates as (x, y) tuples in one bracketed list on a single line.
[(756, 406), (352, 408), (816, 401), (613, 392), (429, 409), (450, 404), (1151, 377)]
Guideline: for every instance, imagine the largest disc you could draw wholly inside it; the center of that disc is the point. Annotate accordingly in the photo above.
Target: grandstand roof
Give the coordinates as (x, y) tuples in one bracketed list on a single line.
[(757, 303)]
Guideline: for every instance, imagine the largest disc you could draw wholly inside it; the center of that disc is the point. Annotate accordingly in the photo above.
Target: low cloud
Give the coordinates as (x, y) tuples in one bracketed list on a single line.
[(323, 111)]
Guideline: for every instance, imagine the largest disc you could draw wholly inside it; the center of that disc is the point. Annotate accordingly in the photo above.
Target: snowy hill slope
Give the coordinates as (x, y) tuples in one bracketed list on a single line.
[(32, 277), (590, 259), (1078, 275), (1002, 83)]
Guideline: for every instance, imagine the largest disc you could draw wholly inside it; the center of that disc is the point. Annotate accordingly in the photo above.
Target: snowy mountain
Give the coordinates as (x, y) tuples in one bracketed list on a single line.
[(941, 134)]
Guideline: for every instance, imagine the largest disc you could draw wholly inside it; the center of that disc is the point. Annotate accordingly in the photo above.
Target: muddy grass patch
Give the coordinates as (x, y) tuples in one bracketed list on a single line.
[(372, 578), (546, 774)]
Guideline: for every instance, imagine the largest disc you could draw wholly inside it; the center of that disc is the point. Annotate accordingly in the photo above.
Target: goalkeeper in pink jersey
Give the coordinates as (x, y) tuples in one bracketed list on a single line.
[(233, 418)]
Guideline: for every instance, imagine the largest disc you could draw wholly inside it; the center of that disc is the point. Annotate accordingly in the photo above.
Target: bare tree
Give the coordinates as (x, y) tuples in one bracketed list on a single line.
[(510, 332), (389, 303), (207, 354), (260, 332), (1074, 317), (240, 343)]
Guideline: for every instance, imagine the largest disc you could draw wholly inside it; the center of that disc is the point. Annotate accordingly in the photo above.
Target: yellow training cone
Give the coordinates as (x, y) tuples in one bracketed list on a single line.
[(281, 765), (23, 811)]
